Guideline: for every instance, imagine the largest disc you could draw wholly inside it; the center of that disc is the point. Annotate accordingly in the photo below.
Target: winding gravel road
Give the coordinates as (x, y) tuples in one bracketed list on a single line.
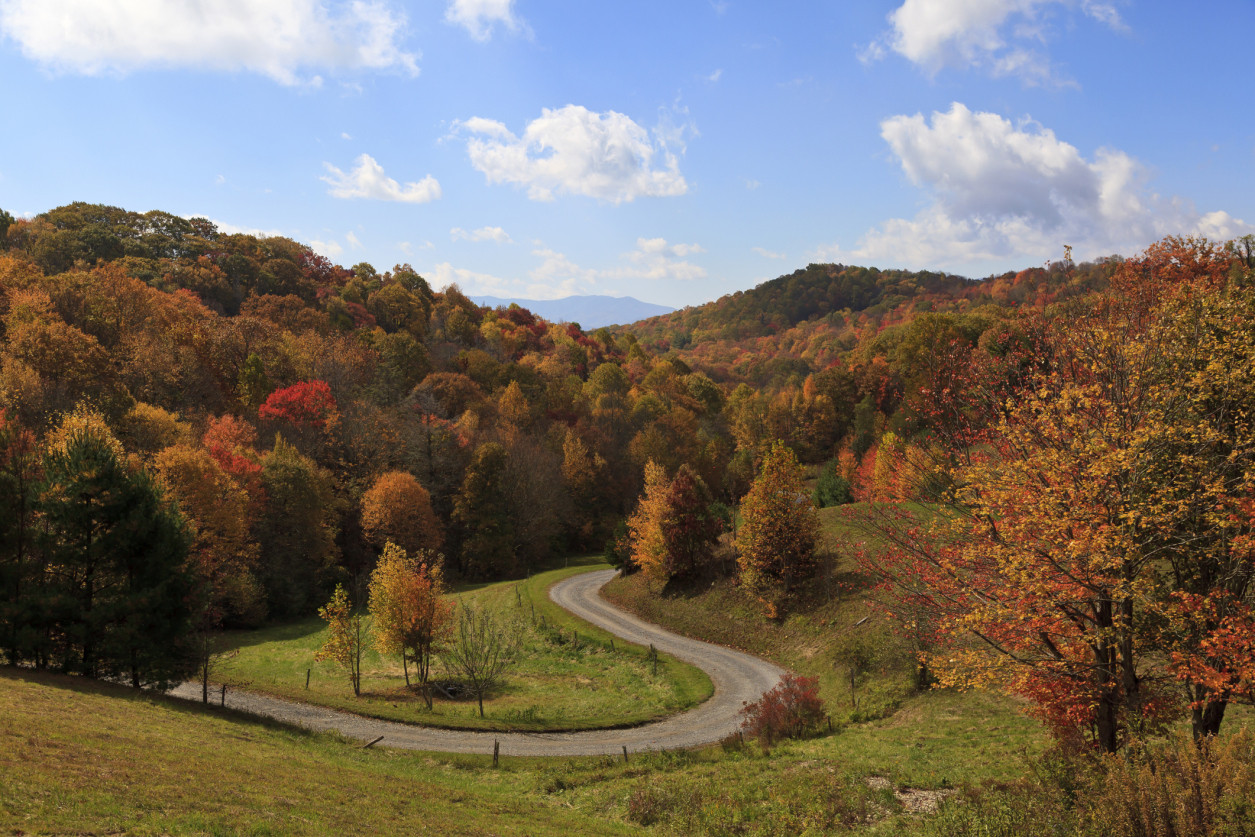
[(738, 677)]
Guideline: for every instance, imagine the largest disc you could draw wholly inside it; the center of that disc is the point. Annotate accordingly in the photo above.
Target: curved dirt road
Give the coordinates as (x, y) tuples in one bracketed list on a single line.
[(737, 677)]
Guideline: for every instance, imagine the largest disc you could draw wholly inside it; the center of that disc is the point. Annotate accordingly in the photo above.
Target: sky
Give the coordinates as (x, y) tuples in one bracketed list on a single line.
[(673, 151)]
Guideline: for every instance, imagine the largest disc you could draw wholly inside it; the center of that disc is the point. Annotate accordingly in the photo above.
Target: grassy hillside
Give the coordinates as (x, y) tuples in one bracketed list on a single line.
[(831, 633), (85, 757)]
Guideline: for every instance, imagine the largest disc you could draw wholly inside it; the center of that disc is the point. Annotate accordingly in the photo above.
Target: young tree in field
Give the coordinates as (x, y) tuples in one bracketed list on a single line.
[(397, 508), (779, 530), (1099, 540), (346, 637), (411, 615), (483, 649)]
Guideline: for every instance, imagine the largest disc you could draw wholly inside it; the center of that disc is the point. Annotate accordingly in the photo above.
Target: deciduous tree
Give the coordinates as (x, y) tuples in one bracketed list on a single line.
[(347, 633), (779, 529), (411, 615), (397, 508)]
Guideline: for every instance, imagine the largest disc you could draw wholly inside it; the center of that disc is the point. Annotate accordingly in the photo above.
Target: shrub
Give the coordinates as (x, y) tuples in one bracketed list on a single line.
[(832, 489), (1178, 788), (790, 710)]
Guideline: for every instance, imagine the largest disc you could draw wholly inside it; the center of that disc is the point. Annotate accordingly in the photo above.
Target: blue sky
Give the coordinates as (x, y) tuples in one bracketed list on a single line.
[(673, 151)]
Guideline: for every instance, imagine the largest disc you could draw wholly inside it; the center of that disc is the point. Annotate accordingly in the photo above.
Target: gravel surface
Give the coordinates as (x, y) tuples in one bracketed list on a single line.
[(737, 677)]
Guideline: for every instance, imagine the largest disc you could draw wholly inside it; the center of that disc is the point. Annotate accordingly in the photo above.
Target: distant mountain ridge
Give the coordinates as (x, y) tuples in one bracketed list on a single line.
[(590, 311)]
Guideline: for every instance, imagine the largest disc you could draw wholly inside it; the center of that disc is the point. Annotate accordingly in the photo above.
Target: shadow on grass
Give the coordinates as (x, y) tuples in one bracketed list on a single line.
[(87, 686)]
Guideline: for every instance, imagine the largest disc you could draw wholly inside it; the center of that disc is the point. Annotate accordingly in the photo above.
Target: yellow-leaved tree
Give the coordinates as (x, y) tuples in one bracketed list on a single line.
[(412, 616), (779, 530), (346, 635)]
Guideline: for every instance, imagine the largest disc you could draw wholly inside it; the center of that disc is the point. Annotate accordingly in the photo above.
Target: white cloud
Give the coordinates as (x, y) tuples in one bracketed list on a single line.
[(1003, 191), (768, 254), (572, 150), (330, 249), (367, 180), (479, 17), (715, 76), (353, 240), (345, 135), (286, 40), (654, 258), (408, 247), (232, 229), (482, 234), (1003, 37), (752, 184), (480, 284)]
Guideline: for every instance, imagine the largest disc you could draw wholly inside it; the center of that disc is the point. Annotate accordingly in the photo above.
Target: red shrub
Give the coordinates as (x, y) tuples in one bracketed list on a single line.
[(789, 710)]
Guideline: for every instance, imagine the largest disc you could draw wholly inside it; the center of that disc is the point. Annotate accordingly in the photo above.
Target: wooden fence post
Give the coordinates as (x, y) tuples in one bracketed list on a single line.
[(625, 754), (496, 752)]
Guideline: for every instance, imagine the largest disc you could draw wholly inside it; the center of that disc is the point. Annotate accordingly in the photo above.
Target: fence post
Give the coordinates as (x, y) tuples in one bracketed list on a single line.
[(223, 699), (307, 671), (625, 754), (496, 752)]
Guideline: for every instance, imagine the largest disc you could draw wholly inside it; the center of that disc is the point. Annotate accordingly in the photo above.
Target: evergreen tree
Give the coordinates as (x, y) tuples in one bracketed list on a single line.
[(118, 587), (482, 511)]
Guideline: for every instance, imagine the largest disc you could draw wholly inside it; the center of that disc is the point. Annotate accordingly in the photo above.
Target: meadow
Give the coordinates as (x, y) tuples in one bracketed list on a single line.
[(569, 675)]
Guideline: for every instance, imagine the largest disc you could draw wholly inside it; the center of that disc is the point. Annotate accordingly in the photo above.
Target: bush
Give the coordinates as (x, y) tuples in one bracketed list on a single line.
[(832, 489), (790, 710), (1178, 788)]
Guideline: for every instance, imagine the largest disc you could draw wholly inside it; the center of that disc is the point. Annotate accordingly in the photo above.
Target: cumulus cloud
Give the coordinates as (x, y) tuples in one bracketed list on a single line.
[(330, 249), (1002, 37), (654, 258), (572, 150), (482, 234), (367, 180), (768, 254), (445, 274), (478, 17), (1000, 190), (289, 41)]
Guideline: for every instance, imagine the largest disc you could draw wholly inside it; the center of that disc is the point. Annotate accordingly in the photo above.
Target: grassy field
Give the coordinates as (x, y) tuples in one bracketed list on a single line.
[(80, 757), (567, 678), (83, 757)]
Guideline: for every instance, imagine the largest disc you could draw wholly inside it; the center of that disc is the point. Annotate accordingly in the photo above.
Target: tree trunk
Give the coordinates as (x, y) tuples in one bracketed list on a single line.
[(1205, 720)]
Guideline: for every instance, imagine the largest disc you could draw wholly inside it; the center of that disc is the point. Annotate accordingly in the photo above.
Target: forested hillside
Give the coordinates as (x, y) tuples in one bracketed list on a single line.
[(810, 319)]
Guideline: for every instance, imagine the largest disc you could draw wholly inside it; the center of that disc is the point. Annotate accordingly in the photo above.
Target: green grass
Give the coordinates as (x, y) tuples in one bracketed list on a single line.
[(82, 757), (561, 682), (830, 630), (78, 756)]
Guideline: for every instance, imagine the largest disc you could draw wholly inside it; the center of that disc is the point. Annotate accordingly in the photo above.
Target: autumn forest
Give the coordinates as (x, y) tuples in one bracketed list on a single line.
[(1051, 473)]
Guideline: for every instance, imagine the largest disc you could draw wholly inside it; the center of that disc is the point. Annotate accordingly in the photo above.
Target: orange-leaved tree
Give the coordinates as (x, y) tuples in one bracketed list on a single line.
[(397, 508), (412, 617), (1096, 548), (674, 529), (649, 549), (779, 530)]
